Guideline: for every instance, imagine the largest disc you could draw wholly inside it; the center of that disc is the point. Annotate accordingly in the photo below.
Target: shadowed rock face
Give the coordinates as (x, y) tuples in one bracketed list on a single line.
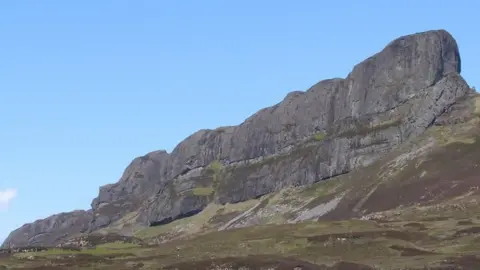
[(332, 128)]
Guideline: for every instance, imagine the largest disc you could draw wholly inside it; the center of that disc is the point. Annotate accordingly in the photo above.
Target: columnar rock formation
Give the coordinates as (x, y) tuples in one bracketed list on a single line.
[(333, 127)]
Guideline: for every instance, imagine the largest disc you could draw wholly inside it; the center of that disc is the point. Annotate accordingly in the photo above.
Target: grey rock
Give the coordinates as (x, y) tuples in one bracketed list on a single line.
[(49, 231), (354, 143), (142, 178), (385, 100), (332, 128)]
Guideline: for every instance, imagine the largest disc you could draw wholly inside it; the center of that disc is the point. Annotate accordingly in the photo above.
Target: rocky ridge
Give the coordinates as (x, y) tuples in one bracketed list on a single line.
[(334, 127), (49, 231)]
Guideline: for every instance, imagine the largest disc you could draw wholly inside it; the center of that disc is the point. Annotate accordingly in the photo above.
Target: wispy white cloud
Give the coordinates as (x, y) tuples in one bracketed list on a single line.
[(6, 196)]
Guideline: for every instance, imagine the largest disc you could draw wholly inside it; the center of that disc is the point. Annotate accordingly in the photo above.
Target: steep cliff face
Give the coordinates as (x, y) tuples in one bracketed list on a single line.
[(335, 126), (140, 179)]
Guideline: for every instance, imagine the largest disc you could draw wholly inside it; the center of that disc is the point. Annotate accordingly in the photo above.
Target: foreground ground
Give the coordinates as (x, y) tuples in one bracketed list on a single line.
[(440, 243)]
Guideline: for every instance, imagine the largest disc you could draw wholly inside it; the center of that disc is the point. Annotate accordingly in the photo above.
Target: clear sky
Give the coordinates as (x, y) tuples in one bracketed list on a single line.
[(86, 86)]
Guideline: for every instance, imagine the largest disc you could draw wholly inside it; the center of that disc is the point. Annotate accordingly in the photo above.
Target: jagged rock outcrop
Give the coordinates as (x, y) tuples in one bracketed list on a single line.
[(49, 231), (139, 181), (332, 128)]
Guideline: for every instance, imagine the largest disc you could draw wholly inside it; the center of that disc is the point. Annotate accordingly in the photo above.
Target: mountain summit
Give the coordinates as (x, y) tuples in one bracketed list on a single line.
[(336, 127)]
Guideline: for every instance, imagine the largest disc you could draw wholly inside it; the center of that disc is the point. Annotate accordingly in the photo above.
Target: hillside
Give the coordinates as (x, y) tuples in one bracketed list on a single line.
[(377, 169)]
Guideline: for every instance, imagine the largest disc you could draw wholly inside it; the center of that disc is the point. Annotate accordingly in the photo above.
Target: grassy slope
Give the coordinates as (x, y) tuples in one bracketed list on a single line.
[(417, 206)]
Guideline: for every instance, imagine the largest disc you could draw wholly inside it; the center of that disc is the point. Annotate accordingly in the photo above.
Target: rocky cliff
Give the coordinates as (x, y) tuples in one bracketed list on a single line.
[(49, 231), (332, 128)]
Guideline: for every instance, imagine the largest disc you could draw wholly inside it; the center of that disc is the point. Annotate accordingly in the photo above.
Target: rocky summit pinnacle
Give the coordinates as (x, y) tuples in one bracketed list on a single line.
[(332, 128)]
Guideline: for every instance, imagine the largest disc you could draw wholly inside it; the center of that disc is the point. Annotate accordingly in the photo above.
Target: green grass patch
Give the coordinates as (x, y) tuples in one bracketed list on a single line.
[(361, 127), (203, 191), (318, 137), (322, 188), (118, 245), (215, 166), (96, 251), (216, 169)]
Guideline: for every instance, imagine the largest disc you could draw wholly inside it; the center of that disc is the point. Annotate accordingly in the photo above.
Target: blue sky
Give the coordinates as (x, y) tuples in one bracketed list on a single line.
[(86, 86)]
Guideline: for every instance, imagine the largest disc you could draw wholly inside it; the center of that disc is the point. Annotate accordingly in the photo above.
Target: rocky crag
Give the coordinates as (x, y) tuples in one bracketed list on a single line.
[(47, 232), (334, 127)]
